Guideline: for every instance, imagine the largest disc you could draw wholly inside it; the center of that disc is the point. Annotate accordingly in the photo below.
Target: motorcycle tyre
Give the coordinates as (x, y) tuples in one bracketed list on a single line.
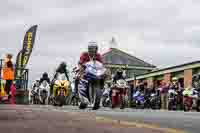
[(82, 105), (61, 101), (122, 102), (186, 108), (198, 106)]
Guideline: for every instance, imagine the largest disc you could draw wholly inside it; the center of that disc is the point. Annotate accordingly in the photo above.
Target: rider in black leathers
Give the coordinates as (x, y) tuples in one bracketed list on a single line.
[(45, 77), (62, 68), (119, 75)]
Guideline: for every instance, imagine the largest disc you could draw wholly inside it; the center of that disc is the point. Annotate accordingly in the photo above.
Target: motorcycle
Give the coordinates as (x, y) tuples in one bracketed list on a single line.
[(44, 92), (119, 92), (155, 101), (106, 101), (172, 99), (89, 85), (34, 96), (198, 101), (60, 90), (139, 100), (188, 96)]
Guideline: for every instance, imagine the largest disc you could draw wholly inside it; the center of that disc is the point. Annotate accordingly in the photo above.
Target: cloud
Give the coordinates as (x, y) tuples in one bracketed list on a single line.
[(161, 32)]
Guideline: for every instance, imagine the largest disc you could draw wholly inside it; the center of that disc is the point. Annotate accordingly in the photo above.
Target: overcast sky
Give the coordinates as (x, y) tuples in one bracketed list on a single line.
[(161, 32)]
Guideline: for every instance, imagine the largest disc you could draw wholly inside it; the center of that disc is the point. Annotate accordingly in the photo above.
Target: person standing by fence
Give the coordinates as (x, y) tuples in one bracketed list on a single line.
[(164, 95), (8, 73)]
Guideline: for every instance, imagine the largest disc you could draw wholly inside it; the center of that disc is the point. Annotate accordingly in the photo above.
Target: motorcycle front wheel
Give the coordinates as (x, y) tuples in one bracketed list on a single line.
[(198, 106), (61, 101), (186, 108), (122, 102)]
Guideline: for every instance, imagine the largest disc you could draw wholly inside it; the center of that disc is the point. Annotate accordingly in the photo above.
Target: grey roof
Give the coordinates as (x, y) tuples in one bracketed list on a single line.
[(118, 57)]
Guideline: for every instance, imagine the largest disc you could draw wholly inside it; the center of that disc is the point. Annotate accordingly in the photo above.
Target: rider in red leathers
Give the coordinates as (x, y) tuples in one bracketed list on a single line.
[(91, 54)]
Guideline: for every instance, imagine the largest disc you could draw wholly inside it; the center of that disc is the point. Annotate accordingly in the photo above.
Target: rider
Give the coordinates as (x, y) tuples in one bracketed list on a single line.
[(174, 83), (45, 77), (119, 75), (91, 54), (35, 84), (62, 68)]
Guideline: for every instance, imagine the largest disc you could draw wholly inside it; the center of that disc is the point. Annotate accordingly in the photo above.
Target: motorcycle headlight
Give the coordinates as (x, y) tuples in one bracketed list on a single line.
[(67, 83), (57, 83)]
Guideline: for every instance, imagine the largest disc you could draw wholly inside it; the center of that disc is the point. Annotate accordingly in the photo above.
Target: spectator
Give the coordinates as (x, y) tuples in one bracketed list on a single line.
[(164, 95)]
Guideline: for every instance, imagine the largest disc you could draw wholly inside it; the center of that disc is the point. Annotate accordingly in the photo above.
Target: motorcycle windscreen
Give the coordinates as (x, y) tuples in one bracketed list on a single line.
[(61, 76), (44, 85), (94, 72), (136, 94), (140, 98), (121, 83)]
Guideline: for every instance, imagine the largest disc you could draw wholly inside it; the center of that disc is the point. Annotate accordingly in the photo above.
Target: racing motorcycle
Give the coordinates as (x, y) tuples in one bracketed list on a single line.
[(61, 90), (198, 101), (34, 95), (106, 101), (44, 92), (119, 90), (89, 87), (155, 101), (172, 99), (188, 96), (139, 99)]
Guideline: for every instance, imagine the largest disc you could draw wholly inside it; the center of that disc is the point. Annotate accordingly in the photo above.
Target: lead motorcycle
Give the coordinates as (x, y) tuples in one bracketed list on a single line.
[(90, 88), (118, 93)]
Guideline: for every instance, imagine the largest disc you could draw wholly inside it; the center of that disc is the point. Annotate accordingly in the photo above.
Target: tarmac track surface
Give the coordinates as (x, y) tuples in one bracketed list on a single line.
[(40, 119)]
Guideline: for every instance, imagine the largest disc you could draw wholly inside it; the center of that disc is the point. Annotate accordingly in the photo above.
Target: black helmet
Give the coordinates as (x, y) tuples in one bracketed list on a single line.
[(63, 64), (119, 71), (195, 78), (92, 47), (45, 75)]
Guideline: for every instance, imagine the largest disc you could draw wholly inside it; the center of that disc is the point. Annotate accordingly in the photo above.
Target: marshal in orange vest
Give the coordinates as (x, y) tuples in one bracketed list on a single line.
[(8, 71)]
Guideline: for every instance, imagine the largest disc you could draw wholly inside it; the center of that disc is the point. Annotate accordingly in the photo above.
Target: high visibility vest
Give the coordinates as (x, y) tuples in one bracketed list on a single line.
[(7, 73)]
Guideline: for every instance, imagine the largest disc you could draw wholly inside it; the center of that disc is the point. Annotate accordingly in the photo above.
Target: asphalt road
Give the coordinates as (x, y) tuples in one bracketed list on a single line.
[(135, 120)]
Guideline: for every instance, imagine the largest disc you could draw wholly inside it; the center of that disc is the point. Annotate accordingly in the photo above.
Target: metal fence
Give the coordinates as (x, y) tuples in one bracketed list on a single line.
[(22, 82)]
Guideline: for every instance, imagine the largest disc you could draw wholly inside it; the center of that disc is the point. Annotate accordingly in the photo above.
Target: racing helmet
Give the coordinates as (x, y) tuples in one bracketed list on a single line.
[(119, 71), (63, 64), (174, 79), (92, 48), (45, 75)]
